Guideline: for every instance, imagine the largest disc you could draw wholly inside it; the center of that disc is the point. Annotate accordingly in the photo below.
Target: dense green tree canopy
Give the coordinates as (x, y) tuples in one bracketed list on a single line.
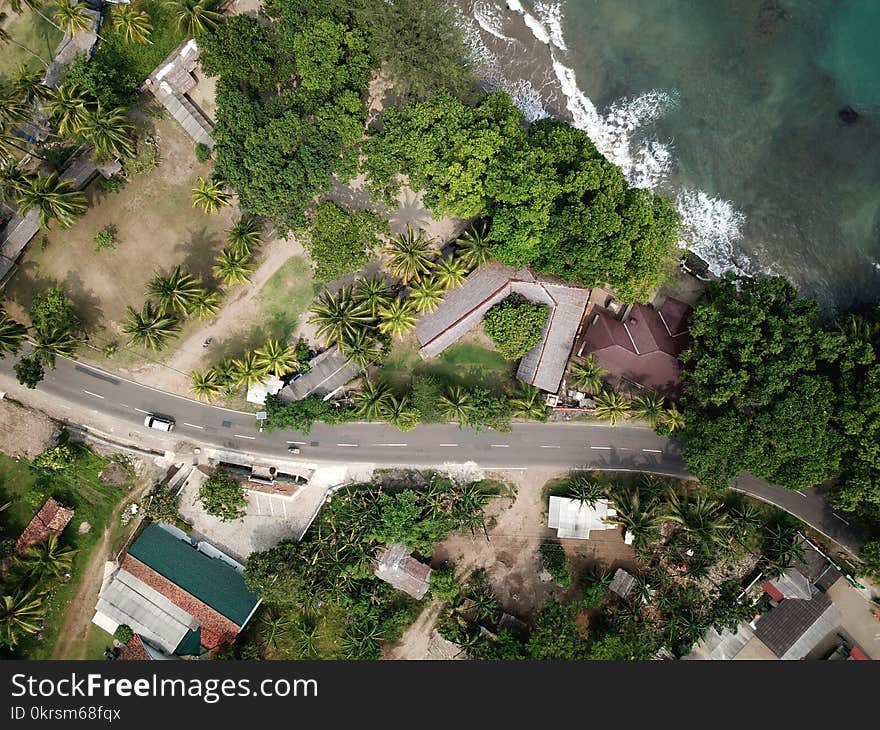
[(339, 241), (515, 325)]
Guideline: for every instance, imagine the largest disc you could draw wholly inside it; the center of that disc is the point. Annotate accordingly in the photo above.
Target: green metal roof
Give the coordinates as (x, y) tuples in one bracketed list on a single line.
[(190, 644), (210, 580)]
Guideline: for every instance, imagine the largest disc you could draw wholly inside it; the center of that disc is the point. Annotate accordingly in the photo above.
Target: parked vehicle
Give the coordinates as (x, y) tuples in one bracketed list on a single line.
[(160, 423), (293, 449)]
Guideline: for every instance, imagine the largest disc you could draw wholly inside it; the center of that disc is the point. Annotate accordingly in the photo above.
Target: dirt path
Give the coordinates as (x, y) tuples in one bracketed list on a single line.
[(74, 631), (420, 641)]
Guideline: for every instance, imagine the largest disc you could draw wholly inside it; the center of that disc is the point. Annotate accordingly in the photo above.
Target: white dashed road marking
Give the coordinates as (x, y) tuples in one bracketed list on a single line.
[(391, 444), (653, 451), (88, 392), (840, 518), (141, 410), (448, 445), (601, 448), (550, 447), (500, 446), (193, 425), (242, 436), (352, 445)]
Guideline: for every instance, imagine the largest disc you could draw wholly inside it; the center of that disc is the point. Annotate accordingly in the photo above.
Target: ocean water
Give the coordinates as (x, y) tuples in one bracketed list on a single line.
[(730, 106)]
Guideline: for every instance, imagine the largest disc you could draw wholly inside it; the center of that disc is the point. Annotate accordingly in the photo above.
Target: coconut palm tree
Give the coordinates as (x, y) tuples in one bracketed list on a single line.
[(450, 273), (374, 292), (782, 548), (72, 19), (397, 318), (150, 327), (586, 375), (411, 255), (362, 348), (276, 358), (206, 304), (107, 131), (68, 105), (28, 85), (233, 268), (455, 405), (673, 418), (400, 413), (585, 490), (55, 199), (244, 236), (211, 195), (225, 373), (205, 385), (195, 16), (339, 316), (55, 341), (426, 295), (134, 26), (611, 407), (12, 334), (12, 107), (272, 627), (177, 292), (6, 38), (47, 560), (702, 518), (639, 518), (249, 370), (12, 181), (372, 400), (21, 614), (649, 408), (529, 403), (472, 247)]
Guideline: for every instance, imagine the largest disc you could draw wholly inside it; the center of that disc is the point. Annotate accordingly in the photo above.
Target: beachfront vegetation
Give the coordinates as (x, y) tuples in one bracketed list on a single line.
[(515, 325)]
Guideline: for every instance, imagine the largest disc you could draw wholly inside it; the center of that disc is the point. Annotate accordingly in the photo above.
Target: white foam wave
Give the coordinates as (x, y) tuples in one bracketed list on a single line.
[(712, 227), (534, 25), (551, 16), (489, 18)]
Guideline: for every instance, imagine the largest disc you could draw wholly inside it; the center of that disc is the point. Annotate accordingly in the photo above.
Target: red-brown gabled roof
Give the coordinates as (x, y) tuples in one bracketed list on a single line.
[(134, 650), (856, 653), (51, 519), (772, 591)]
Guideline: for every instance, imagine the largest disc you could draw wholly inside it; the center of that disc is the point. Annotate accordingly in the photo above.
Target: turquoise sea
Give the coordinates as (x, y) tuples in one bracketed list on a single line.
[(731, 106)]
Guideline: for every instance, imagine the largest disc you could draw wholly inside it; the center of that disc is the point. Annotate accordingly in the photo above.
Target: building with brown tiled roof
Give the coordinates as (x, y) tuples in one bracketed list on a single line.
[(50, 520), (181, 598), (396, 566), (134, 651), (465, 306), (643, 347)]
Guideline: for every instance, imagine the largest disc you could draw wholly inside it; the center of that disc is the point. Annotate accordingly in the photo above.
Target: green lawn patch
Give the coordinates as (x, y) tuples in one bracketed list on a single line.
[(32, 31)]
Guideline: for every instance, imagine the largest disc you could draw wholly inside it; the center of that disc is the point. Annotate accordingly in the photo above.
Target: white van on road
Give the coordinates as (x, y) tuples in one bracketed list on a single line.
[(158, 422)]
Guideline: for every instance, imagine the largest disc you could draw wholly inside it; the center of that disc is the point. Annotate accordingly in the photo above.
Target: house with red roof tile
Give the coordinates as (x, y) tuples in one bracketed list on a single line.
[(50, 520)]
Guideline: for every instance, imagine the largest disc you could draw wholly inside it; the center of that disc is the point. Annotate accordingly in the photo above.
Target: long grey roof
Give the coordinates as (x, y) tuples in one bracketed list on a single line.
[(795, 627)]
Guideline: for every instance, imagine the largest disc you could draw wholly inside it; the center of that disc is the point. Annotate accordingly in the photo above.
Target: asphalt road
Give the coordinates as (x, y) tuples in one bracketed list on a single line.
[(83, 396)]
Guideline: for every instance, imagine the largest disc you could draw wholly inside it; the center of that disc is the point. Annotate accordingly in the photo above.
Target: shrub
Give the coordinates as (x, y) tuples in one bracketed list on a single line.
[(123, 633), (106, 238), (553, 559), (870, 557), (222, 497), (29, 372), (340, 241), (203, 152), (112, 184), (515, 325), (161, 505), (443, 587), (57, 458)]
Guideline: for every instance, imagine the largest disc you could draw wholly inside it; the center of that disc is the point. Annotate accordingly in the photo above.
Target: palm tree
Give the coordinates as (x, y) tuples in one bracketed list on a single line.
[(244, 236), (397, 318), (72, 19), (6, 38), (701, 517), (28, 85), (135, 26), (68, 105), (636, 517), (426, 295), (611, 407), (233, 268), (20, 615), (226, 373), (782, 548), (177, 292), (585, 490), (649, 408), (400, 413), (372, 400), (47, 560), (455, 405), (211, 195), (529, 403), (52, 197), (673, 418), (12, 181), (362, 348), (206, 304), (276, 358), (249, 370), (411, 255), (272, 627), (450, 273), (12, 334), (107, 131), (194, 16), (473, 248), (205, 385), (56, 341), (339, 316), (374, 292), (586, 375), (150, 327)]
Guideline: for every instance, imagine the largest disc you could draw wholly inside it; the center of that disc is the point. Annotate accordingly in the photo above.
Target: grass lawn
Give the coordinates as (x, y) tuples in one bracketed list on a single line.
[(465, 363), (78, 486), (31, 31)]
